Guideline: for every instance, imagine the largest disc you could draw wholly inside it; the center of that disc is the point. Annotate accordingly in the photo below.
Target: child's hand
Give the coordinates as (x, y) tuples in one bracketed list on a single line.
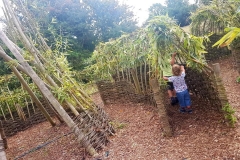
[(174, 54), (165, 78), (182, 69)]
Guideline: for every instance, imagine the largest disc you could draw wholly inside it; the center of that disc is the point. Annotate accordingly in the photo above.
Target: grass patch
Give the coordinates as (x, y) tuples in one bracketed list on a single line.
[(90, 88), (118, 125), (238, 79), (229, 114)]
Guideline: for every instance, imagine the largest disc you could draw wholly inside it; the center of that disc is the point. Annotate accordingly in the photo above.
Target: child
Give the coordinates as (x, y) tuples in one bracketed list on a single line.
[(167, 72), (180, 88)]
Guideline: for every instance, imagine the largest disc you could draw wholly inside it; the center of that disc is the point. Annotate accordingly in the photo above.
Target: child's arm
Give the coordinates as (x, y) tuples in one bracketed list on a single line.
[(165, 78), (182, 69), (173, 58)]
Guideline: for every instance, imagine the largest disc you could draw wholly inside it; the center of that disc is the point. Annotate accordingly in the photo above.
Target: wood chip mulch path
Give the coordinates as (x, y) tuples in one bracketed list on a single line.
[(202, 135)]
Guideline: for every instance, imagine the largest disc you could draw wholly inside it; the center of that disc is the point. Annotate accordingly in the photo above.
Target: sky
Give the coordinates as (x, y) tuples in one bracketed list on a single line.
[(1, 4), (140, 8)]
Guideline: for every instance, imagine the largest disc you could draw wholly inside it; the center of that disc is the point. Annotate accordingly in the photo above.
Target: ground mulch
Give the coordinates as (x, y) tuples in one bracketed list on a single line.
[(202, 135)]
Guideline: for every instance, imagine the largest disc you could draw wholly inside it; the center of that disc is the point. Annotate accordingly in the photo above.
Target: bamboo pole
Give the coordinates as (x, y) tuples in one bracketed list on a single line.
[(20, 112), (3, 113), (141, 78), (17, 109), (34, 52), (10, 111), (29, 115), (118, 76), (33, 96), (123, 76), (34, 111), (135, 80), (48, 94), (54, 111), (31, 93), (145, 75), (128, 75)]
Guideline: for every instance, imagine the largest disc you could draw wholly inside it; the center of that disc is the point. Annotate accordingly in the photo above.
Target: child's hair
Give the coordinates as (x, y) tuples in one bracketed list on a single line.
[(176, 70)]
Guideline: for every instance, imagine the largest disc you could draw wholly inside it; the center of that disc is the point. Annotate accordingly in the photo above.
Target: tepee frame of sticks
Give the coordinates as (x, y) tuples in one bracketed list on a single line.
[(49, 72)]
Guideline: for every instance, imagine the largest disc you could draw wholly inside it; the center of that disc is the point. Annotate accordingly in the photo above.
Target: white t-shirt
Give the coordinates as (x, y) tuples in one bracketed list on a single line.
[(178, 82)]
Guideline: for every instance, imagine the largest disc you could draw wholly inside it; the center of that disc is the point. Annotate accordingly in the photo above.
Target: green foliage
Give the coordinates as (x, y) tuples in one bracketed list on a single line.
[(110, 18), (90, 88), (238, 79), (60, 93), (177, 9), (215, 17), (82, 23), (4, 69), (12, 93), (229, 114), (148, 45), (227, 39), (205, 2), (118, 125)]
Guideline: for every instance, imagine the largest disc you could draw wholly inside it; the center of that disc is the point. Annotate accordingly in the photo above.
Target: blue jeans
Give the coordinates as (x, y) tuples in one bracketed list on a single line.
[(184, 98)]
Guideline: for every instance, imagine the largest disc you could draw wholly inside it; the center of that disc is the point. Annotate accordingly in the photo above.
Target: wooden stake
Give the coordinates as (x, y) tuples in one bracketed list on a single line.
[(158, 97), (220, 87)]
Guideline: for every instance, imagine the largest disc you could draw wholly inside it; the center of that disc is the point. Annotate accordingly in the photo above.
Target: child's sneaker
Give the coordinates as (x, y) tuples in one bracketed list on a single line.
[(182, 110), (173, 101), (189, 111), (176, 100)]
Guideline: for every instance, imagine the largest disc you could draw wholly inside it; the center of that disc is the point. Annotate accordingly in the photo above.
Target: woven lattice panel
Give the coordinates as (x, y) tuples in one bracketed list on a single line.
[(203, 85), (12, 127), (121, 91), (95, 126)]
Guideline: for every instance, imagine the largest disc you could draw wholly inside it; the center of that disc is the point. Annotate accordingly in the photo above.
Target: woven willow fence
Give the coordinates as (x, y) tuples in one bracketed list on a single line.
[(95, 124), (205, 85)]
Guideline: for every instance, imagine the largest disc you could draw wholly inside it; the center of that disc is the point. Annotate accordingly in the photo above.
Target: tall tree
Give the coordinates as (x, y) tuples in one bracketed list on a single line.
[(177, 9), (110, 19), (157, 9), (82, 23), (66, 22)]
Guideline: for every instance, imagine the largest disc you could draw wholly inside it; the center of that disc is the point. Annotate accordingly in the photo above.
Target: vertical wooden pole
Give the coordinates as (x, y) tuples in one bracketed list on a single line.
[(236, 56), (3, 136), (219, 84), (158, 97), (2, 151), (3, 144)]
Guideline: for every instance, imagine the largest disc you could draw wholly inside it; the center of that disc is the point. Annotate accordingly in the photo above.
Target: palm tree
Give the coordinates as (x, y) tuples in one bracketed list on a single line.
[(216, 16)]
